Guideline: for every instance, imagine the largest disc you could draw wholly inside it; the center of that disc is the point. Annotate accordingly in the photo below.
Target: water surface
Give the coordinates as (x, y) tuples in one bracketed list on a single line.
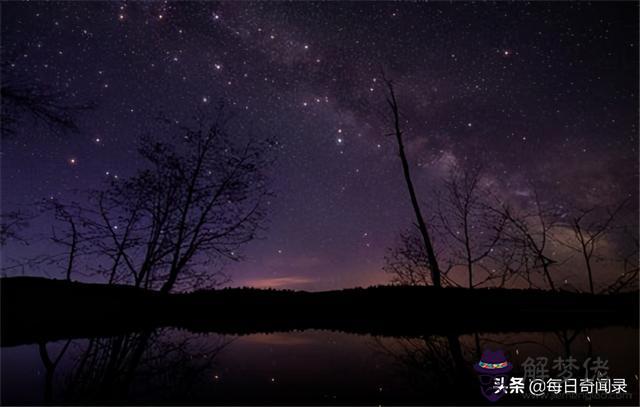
[(299, 367)]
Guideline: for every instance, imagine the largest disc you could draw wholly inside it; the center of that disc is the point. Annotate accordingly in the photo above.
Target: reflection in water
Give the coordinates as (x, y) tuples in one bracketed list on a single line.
[(176, 366), (140, 365), (433, 363)]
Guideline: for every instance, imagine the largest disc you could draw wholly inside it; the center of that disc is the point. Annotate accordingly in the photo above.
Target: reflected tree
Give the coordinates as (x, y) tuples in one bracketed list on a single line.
[(162, 364), (432, 365)]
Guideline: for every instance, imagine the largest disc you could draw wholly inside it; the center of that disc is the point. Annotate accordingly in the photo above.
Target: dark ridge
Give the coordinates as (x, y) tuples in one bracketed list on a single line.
[(37, 310)]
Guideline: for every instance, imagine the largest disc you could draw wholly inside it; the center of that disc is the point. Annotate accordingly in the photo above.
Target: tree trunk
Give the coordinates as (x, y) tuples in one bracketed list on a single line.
[(587, 260), (168, 285), (545, 267), (431, 257), (72, 248)]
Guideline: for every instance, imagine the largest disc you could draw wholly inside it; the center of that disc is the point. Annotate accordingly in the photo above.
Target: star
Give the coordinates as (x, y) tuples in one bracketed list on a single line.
[(454, 103)]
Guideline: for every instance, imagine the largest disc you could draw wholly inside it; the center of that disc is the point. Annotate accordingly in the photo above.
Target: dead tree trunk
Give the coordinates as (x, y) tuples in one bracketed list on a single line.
[(72, 248), (431, 257)]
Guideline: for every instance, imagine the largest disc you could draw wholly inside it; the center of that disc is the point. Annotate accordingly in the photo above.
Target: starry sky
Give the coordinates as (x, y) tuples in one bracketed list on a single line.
[(543, 92)]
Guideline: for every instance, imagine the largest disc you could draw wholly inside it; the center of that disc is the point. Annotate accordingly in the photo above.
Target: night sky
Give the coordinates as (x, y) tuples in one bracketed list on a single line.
[(543, 93)]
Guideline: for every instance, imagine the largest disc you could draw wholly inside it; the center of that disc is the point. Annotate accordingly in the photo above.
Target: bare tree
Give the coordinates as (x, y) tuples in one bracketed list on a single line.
[(11, 225), (408, 264), (192, 206), (531, 230), (421, 360), (109, 369), (70, 237), (469, 232), (511, 259), (50, 367), (469, 226), (628, 278), (589, 228), (66, 232), (422, 226), (25, 99)]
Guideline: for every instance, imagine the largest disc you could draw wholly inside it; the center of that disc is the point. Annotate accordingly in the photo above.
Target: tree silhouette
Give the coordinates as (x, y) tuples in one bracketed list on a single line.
[(166, 364), (469, 225), (468, 231), (588, 230), (71, 237), (24, 99), (11, 225), (628, 278), (191, 206), (434, 268), (407, 261), (531, 230)]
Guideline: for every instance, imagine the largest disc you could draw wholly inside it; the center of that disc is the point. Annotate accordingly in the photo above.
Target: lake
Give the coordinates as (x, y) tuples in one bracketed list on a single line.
[(303, 367)]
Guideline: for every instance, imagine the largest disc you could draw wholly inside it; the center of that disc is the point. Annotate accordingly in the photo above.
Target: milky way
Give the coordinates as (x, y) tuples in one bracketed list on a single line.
[(542, 92)]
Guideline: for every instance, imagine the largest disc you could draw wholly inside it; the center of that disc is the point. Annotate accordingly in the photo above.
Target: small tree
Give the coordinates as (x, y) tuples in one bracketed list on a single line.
[(469, 226), (69, 238), (531, 231), (407, 262), (628, 278), (589, 227), (191, 206)]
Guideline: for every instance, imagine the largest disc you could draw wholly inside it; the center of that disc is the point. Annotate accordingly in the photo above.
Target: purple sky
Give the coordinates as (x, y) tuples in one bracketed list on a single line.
[(543, 92)]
